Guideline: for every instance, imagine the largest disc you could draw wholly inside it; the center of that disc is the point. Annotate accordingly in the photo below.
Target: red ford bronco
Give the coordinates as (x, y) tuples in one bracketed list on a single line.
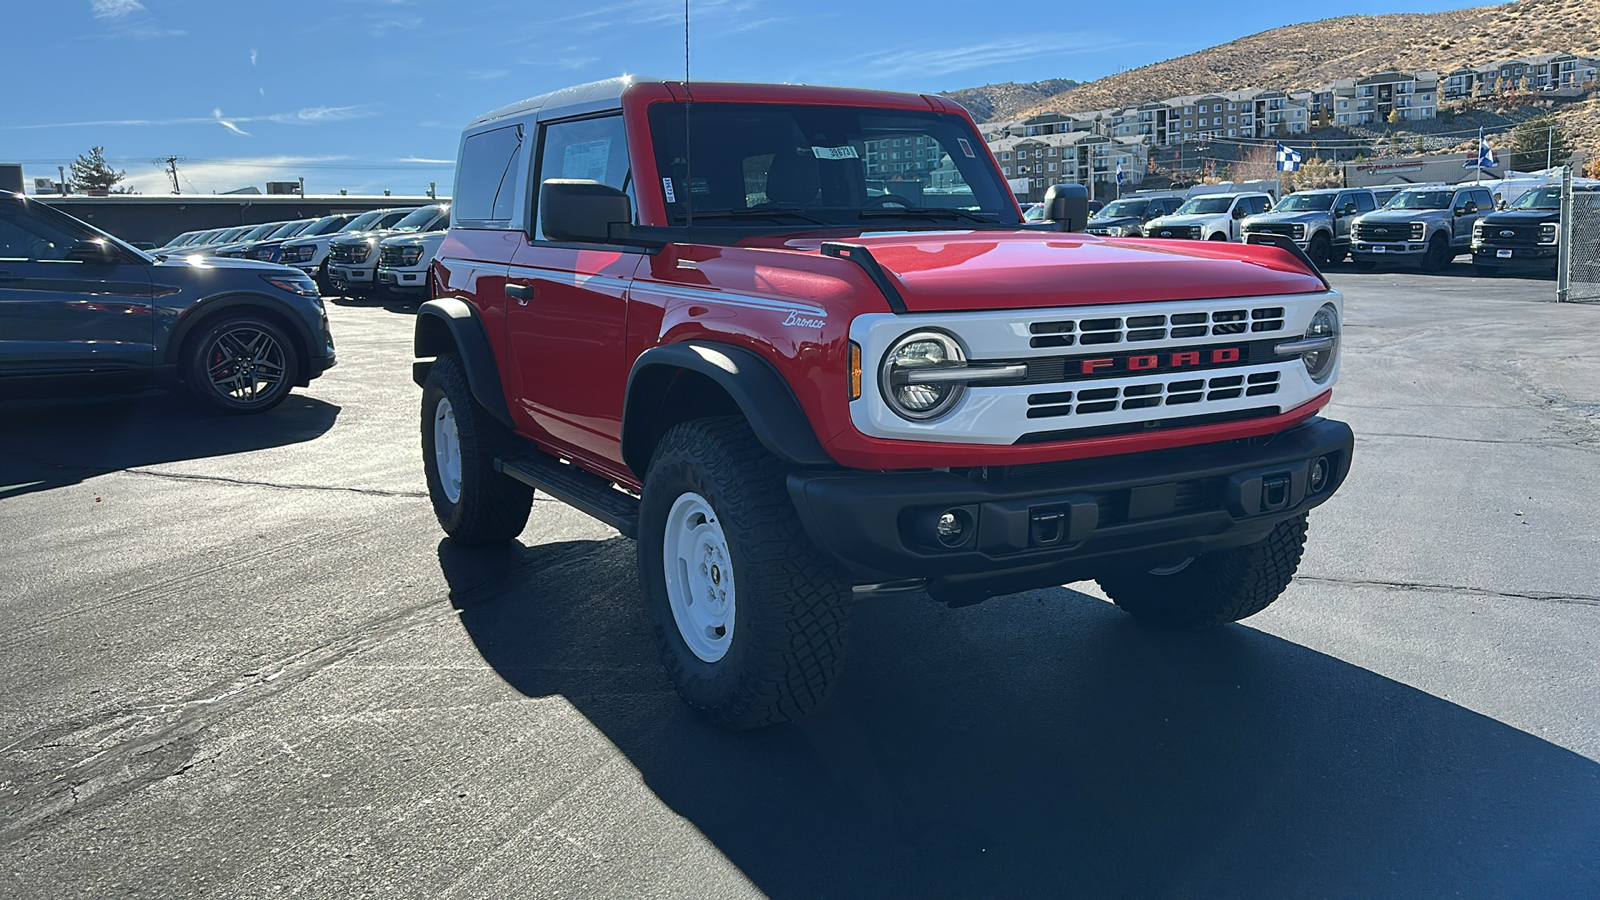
[(800, 344)]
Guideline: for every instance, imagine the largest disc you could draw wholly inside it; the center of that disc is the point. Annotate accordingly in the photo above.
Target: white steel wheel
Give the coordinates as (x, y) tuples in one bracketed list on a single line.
[(447, 450), (699, 577)]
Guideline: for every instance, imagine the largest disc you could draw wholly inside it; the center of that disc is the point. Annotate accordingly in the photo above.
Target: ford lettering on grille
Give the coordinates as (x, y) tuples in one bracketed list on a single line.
[(1113, 365)]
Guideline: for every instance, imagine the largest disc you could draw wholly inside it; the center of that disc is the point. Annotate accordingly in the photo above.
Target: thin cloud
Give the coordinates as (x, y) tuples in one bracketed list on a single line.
[(485, 74), (425, 160), (381, 26), (927, 61), (309, 116), (227, 123), (114, 9), (252, 56)]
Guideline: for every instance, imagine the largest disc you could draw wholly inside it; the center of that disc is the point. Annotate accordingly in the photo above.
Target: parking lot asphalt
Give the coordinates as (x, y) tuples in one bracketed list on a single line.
[(241, 661)]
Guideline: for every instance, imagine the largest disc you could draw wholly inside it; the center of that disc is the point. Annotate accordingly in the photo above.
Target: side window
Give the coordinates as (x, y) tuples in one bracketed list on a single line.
[(486, 184), (26, 237), (1261, 204), (1365, 202), (591, 149), (1483, 199)]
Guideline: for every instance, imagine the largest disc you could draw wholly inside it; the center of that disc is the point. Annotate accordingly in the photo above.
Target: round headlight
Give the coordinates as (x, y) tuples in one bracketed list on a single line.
[(916, 400), (1325, 324)]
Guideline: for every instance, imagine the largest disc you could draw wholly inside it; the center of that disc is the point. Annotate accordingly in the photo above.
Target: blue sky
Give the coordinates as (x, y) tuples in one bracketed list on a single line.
[(368, 95)]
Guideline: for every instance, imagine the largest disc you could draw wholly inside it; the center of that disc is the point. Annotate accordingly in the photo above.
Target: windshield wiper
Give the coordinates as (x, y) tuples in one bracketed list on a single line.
[(775, 214), (924, 212)]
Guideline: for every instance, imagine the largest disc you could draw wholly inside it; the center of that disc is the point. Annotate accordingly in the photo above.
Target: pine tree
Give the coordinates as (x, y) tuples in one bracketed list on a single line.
[(1539, 143), (91, 173)]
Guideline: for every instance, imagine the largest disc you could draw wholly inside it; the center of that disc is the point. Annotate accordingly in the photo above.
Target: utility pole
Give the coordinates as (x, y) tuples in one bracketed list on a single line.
[(63, 171), (1549, 145), (170, 163)]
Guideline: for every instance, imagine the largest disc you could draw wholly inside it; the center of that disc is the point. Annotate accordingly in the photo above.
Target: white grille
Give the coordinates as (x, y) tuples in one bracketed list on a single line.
[(1088, 401), (1160, 327)]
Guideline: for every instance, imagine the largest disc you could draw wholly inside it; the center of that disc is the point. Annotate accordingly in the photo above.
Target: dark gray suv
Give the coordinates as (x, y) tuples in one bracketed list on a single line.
[(80, 309)]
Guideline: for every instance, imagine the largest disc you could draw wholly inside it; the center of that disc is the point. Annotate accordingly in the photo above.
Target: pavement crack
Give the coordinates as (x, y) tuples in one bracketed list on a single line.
[(281, 486), (1430, 587), (1463, 440)]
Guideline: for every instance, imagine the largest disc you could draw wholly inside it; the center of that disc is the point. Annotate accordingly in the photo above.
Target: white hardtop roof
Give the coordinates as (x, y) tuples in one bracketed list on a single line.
[(595, 94)]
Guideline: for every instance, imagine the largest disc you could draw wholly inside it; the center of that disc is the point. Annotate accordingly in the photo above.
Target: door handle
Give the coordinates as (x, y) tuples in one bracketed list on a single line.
[(523, 292)]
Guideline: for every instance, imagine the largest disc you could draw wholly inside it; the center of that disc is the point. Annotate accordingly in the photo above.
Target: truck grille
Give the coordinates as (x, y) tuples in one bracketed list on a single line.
[(343, 253), (1523, 235), (1185, 232), (1133, 329), (1294, 232), (389, 257), (1089, 401), (1385, 232)]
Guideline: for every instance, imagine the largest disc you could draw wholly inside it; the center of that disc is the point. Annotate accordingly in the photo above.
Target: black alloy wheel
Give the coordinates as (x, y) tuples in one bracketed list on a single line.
[(242, 364)]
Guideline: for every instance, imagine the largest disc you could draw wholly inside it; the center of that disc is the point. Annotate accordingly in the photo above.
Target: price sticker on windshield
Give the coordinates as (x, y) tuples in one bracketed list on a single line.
[(845, 152)]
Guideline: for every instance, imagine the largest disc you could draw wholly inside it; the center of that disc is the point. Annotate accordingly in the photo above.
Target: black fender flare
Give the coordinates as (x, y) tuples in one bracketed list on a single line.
[(755, 386), (211, 306), (469, 341)]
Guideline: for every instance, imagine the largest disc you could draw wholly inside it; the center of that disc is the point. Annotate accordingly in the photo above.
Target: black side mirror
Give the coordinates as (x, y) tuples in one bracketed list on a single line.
[(1240, 212), (98, 250), (1067, 205), (580, 211)]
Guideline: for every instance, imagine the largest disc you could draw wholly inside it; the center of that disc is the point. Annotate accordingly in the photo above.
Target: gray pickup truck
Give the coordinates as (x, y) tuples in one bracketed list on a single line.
[(1318, 220), (1430, 224)]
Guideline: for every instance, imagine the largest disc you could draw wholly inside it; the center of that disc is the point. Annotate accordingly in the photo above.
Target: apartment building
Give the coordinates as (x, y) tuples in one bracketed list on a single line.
[(1373, 98), (1032, 163), (1547, 72)]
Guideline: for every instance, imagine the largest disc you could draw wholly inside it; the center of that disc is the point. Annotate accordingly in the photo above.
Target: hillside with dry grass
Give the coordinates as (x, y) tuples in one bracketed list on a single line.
[(1304, 56)]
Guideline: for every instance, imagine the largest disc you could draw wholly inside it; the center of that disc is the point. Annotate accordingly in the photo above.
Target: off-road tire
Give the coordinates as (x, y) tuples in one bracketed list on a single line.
[(1215, 588), (792, 612), (1438, 255), (491, 508), (1219, 236), (1321, 250), (199, 360)]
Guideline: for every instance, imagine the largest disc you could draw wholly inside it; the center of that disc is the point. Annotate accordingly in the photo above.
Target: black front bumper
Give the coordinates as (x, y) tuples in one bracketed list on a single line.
[(1031, 526), (1541, 257)]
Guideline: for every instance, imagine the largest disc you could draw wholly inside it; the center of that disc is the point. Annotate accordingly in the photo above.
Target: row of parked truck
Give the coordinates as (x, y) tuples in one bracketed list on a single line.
[(1427, 224), (377, 253)]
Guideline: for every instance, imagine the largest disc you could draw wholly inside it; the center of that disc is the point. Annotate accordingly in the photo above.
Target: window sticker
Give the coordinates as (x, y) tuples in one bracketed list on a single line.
[(666, 185), (966, 148), (845, 152), (587, 159)]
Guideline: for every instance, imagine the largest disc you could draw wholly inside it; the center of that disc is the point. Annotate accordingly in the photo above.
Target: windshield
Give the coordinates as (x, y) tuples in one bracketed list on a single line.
[(1421, 200), (1205, 206), (1121, 208), (289, 229), (258, 231), (324, 225), (420, 218), (838, 166), (363, 221), (1540, 198), (1304, 202)]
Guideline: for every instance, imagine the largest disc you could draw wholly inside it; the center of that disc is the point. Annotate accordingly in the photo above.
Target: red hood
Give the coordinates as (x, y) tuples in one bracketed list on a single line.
[(952, 271)]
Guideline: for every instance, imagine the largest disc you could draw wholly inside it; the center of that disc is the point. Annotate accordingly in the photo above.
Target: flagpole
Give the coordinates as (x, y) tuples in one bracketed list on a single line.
[(1477, 170)]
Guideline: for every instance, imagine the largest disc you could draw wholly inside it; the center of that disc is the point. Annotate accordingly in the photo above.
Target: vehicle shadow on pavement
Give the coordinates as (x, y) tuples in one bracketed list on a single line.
[(53, 443), (1042, 744), (398, 305)]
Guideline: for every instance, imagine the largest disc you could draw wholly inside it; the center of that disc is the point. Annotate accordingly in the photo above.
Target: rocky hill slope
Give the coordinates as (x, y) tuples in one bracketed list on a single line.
[(1318, 52), (1004, 101)]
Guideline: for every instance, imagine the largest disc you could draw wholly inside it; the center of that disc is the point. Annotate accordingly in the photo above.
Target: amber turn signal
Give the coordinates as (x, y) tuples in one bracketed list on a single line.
[(855, 371)]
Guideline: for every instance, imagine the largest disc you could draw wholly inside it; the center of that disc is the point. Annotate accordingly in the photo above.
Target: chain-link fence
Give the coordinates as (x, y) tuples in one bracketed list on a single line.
[(1578, 275)]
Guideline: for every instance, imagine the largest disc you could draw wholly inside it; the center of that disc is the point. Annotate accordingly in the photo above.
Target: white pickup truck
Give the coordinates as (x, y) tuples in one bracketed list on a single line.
[(1210, 217)]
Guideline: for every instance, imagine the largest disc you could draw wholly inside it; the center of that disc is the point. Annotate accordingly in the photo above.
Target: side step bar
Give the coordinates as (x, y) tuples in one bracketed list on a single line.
[(575, 487)]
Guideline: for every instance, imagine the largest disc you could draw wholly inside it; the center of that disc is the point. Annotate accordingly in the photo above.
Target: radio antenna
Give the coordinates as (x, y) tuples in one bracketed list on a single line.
[(688, 148)]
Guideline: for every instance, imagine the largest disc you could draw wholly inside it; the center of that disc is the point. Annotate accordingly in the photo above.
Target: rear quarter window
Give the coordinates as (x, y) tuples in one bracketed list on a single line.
[(486, 182)]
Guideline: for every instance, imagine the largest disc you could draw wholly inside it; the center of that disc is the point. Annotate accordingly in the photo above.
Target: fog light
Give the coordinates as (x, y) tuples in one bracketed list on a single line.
[(951, 528), (1320, 470)]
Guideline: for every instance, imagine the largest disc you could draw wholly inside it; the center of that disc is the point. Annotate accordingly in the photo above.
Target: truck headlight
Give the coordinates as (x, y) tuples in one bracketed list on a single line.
[(1319, 349), (299, 254), (1419, 230), (902, 377), (1549, 233)]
